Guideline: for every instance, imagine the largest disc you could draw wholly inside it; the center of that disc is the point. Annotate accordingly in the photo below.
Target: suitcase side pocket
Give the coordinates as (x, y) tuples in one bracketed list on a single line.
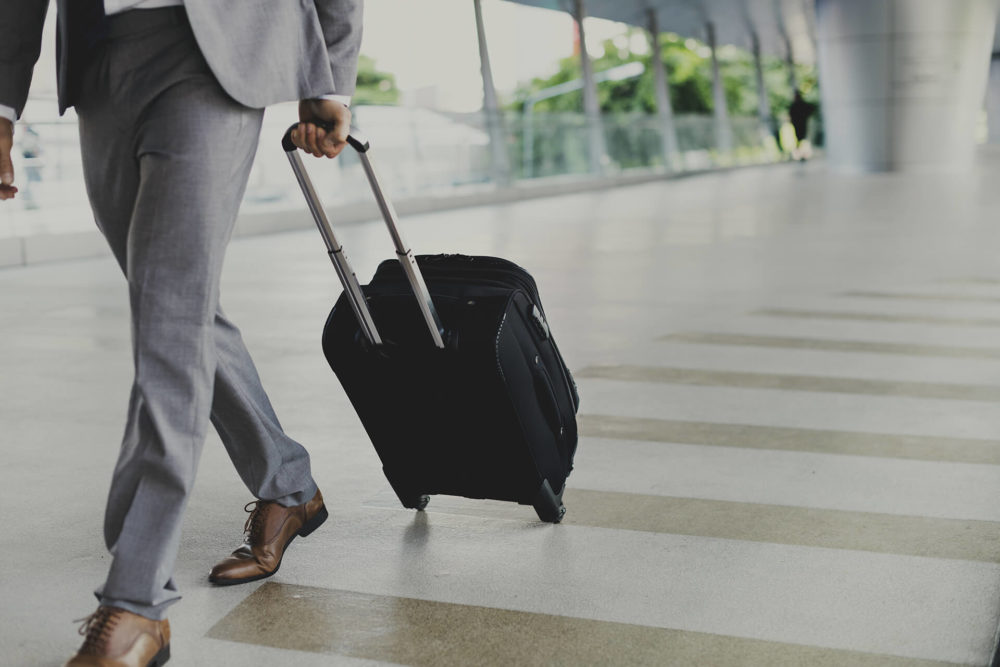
[(547, 397)]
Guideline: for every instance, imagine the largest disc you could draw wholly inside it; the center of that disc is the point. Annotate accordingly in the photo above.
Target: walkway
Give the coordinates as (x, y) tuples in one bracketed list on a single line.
[(790, 450)]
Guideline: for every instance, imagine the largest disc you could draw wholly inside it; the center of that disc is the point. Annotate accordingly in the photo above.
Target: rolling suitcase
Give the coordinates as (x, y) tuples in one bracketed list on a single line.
[(451, 366)]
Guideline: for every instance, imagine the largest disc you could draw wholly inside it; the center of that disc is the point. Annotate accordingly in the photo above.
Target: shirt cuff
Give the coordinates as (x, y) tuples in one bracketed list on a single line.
[(343, 99), (8, 112)]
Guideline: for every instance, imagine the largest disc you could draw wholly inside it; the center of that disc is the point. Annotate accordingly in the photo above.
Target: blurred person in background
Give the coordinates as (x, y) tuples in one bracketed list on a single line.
[(799, 112)]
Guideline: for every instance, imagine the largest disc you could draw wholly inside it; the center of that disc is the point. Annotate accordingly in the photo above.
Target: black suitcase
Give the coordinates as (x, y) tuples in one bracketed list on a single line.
[(462, 389)]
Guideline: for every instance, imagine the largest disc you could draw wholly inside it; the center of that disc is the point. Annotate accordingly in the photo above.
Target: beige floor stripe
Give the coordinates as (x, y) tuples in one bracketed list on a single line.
[(922, 297), (977, 280), (420, 632), (923, 448), (877, 317), (706, 378), (835, 529), (753, 522), (791, 343)]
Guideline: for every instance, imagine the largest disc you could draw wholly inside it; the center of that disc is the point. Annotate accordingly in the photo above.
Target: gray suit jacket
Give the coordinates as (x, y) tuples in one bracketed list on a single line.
[(261, 51)]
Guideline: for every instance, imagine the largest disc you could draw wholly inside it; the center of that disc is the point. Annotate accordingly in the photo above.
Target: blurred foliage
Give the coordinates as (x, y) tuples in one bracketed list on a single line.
[(689, 68), (374, 87), (632, 140)]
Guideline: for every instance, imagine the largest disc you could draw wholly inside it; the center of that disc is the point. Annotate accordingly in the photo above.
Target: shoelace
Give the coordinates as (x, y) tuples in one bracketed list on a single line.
[(255, 522), (97, 627)]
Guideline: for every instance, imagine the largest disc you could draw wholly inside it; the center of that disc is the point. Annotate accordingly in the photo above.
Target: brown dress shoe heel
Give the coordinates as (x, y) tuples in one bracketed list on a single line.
[(269, 530), (119, 638)]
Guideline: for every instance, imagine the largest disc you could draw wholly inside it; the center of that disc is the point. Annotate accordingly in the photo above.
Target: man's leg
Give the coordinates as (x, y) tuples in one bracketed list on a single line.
[(166, 170), (194, 152), (271, 464)]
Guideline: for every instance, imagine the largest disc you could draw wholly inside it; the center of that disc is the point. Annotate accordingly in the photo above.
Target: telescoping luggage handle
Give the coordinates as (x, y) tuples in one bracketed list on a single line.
[(347, 276)]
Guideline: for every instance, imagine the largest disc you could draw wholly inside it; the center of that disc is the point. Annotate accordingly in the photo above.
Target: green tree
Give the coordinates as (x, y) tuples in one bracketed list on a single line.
[(690, 82), (689, 69), (374, 87), (558, 143)]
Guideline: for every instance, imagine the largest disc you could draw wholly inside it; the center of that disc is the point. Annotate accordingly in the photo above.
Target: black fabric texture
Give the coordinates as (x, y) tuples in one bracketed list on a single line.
[(492, 415)]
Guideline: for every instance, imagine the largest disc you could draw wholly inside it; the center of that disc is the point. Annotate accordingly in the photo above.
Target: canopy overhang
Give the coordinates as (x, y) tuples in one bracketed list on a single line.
[(777, 23)]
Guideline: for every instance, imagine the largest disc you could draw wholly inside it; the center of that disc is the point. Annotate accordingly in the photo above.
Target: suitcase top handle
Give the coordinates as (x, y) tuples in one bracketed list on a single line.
[(347, 276)]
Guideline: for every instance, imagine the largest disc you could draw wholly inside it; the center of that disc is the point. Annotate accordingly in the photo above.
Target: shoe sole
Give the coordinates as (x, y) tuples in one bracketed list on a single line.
[(160, 658), (307, 529)]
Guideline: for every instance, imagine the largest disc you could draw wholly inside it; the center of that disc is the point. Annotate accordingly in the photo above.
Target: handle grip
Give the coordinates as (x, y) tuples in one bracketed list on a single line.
[(356, 140)]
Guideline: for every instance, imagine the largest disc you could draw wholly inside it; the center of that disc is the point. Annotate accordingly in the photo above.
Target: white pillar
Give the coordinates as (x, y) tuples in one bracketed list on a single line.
[(793, 78), (993, 99), (723, 131), (491, 106), (663, 106), (591, 107), (903, 82), (763, 103)]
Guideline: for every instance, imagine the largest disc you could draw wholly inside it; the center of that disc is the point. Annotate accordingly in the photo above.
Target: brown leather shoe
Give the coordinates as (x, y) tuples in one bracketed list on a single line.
[(269, 529), (119, 638)]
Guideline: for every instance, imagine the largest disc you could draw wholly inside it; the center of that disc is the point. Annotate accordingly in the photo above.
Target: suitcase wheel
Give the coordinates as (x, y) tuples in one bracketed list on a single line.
[(416, 502), (409, 497), (548, 505)]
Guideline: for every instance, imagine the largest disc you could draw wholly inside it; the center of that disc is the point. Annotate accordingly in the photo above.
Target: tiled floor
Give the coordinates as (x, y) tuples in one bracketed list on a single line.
[(790, 449)]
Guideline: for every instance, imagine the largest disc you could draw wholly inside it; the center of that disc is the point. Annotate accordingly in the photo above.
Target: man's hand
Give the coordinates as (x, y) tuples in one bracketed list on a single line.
[(323, 127), (7, 189)]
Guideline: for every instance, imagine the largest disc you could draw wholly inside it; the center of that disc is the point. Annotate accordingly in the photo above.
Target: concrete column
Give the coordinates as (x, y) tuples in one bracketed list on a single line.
[(491, 106), (591, 107), (993, 99), (663, 106), (793, 78), (903, 81), (763, 103), (723, 131)]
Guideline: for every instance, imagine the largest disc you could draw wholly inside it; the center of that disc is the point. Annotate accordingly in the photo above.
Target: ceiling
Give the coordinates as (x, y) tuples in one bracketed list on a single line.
[(734, 20)]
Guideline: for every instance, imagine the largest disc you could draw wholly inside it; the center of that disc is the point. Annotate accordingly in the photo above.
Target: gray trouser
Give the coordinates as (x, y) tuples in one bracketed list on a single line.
[(166, 157)]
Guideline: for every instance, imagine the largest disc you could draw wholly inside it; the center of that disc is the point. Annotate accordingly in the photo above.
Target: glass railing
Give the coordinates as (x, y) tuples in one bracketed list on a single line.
[(420, 153)]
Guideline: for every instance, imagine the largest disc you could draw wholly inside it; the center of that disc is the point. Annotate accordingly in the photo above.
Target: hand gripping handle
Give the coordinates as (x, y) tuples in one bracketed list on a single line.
[(355, 139), (403, 252)]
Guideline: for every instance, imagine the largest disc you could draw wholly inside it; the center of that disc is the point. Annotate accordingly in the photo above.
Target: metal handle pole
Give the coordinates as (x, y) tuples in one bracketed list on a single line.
[(340, 263), (404, 254)]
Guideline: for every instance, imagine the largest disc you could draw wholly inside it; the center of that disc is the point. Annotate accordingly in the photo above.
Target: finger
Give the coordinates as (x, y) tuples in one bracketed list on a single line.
[(304, 135), (299, 137), (335, 148), (6, 165), (343, 127), (311, 140), (321, 135), (318, 141), (7, 192), (332, 143)]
